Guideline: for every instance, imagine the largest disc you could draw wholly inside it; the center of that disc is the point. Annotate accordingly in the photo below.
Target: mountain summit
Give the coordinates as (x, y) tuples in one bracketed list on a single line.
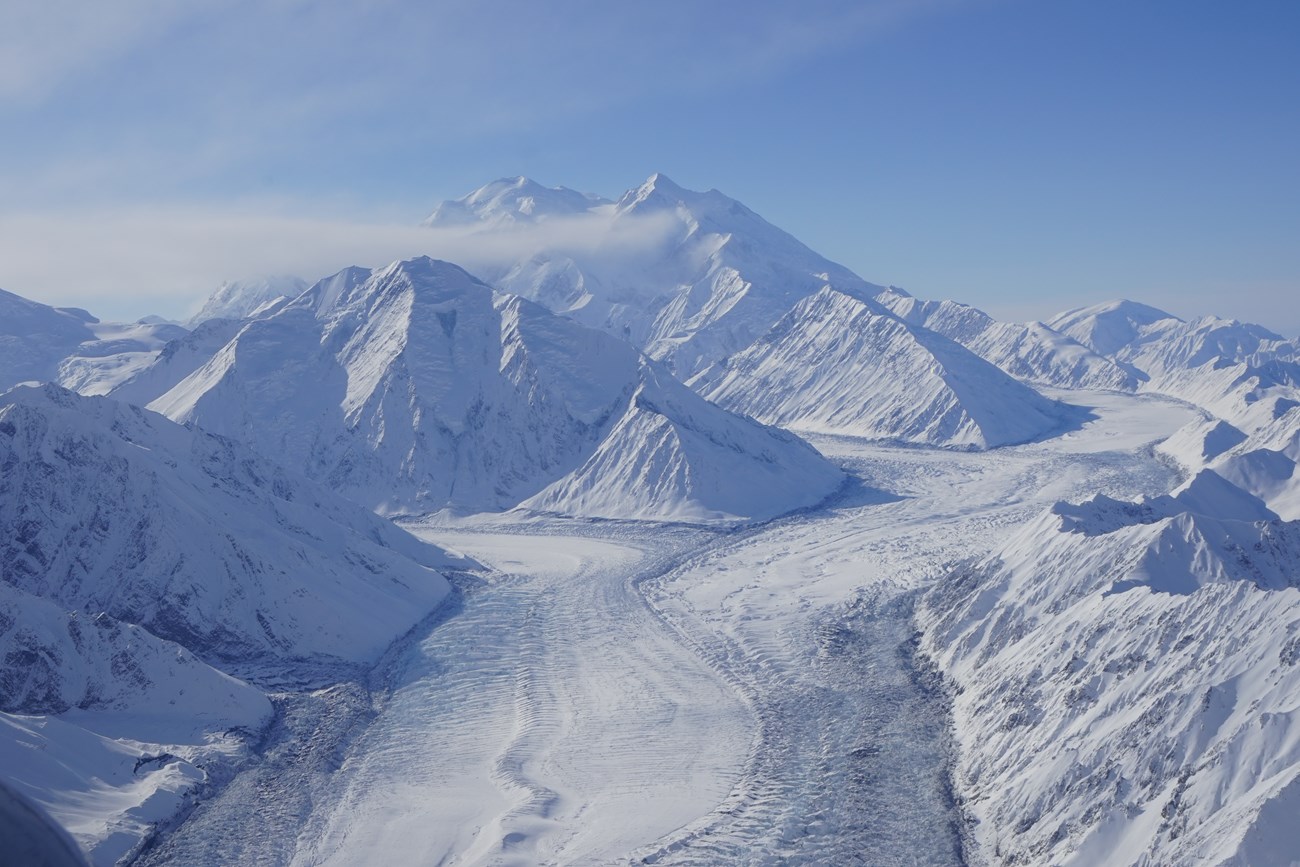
[(707, 277), (416, 387)]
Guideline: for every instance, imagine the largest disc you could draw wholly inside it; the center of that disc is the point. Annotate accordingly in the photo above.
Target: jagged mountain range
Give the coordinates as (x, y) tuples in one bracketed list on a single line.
[(429, 390), (1124, 673)]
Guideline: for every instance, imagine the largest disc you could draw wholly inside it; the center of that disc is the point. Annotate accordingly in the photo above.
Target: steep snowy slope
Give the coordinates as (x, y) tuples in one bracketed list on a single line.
[(39, 343), (1033, 352), (841, 364), (236, 299), (135, 554), (34, 338), (1125, 681), (416, 387), (707, 278), (1265, 462), (140, 721), (176, 360), (117, 353), (108, 508), (53, 660)]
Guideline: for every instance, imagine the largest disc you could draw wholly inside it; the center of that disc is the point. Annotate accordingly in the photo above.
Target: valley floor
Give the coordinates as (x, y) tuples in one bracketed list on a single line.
[(612, 692)]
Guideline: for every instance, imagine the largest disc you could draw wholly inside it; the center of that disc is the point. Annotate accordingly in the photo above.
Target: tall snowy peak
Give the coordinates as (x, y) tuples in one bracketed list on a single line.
[(1032, 351), (688, 277), (509, 201), (416, 387), (109, 508), (839, 363), (236, 299), (667, 457), (1125, 677)]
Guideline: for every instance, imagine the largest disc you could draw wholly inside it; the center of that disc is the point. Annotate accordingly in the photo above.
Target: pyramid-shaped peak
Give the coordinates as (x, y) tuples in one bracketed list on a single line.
[(660, 182), (658, 191), (425, 274)]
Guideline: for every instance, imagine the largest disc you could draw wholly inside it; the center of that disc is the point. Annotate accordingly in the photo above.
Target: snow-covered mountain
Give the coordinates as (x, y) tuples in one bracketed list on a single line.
[(236, 299), (116, 353), (416, 387), (1159, 346), (109, 508), (176, 360), (709, 277), (512, 200), (35, 337), (1030, 351), (713, 280), (841, 364), (1125, 680), (139, 557), (1237, 372), (39, 343)]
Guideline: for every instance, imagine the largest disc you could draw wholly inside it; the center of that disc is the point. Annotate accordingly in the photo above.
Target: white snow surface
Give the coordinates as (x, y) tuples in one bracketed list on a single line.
[(430, 390), (238, 299), (841, 364), (39, 343), (709, 278), (135, 555), (35, 337), (512, 200), (117, 353), (1156, 342), (1228, 367), (1126, 681), (1033, 351), (109, 508)]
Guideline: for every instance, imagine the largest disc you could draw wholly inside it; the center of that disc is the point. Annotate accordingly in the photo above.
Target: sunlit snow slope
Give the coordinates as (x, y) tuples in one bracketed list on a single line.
[(1125, 671), (1031, 351), (841, 364), (136, 555), (416, 387), (688, 277)]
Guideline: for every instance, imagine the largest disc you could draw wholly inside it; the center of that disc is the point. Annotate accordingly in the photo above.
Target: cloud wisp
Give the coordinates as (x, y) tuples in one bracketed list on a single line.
[(123, 265)]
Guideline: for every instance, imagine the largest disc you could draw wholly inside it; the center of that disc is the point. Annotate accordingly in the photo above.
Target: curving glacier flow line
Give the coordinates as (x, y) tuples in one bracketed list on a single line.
[(618, 693)]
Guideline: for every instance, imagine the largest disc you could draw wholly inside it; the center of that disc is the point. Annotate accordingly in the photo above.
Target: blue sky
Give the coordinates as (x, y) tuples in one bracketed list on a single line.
[(1020, 155)]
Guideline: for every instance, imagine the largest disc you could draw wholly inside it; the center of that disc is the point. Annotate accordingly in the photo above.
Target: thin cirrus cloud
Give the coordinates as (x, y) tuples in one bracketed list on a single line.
[(127, 264), (145, 95)]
